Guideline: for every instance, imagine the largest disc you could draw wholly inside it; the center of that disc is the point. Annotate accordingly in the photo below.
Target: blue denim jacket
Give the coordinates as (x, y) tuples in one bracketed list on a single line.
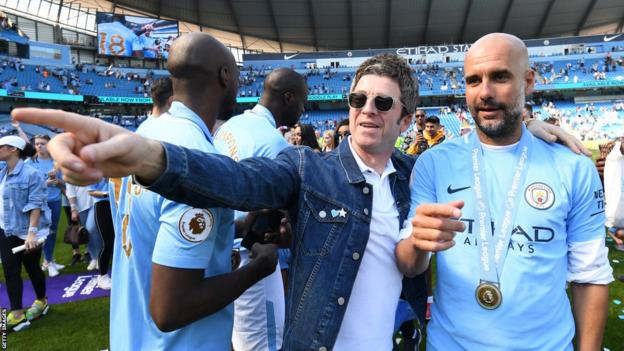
[(309, 185), (24, 190)]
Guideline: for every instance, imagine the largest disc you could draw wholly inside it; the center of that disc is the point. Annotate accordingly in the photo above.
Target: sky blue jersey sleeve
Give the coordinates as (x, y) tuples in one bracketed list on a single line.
[(586, 217)]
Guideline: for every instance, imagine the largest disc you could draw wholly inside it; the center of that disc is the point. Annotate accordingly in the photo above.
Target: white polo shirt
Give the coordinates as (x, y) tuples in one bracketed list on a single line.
[(377, 288)]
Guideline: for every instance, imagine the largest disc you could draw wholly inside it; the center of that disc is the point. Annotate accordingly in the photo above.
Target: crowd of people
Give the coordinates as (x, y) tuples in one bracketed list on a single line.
[(321, 226), (32, 196), (312, 243)]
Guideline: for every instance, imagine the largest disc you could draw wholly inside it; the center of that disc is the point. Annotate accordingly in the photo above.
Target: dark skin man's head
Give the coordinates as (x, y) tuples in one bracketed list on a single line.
[(285, 94), (204, 76)]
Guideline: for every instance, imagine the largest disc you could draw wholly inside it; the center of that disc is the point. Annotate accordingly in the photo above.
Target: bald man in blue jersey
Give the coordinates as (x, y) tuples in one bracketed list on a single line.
[(531, 220)]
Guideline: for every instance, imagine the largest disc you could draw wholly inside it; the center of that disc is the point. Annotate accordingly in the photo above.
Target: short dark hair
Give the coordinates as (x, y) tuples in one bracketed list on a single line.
[(529, 108), (432, 119), (161, 91)]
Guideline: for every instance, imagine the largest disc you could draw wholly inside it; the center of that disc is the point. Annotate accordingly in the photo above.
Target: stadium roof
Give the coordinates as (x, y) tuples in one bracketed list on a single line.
[(363, 24)]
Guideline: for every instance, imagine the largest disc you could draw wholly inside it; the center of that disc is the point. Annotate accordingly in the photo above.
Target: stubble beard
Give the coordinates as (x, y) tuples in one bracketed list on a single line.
[(500, 129)]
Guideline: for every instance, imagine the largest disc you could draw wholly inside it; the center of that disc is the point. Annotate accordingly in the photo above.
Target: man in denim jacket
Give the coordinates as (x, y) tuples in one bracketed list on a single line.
[(336, 201), (338, 224)]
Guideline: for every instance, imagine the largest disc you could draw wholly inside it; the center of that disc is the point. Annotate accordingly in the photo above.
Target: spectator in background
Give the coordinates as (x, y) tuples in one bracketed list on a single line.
[(162, 97), (304, 135), (328, 141), (614, 193), (25, 221), (341, 131), (319, 138), (82, 212), (44, 163), (104, 223), (434, 132), (419, 144), (527, 112)]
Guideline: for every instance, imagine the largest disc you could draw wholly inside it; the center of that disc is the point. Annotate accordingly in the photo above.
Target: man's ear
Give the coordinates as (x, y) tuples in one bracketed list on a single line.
[(224, 76), (287, 97), (405, 121), (529, 79)]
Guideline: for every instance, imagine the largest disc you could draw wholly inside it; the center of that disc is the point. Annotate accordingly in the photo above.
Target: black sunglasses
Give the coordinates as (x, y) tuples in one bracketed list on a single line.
[(382, 103)]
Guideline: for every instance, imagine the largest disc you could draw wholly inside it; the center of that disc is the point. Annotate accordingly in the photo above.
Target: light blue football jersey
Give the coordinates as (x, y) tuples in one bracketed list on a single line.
[(116, 39), (559, 203), (149, 229), (148, 43), (250, 134), (259, 311)]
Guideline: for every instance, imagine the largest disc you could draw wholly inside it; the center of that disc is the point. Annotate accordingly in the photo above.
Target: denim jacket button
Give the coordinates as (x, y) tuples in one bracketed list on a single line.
[(366, 211), (322, 214), (341, 301), (322, 348), (366, 190), (356, 256)]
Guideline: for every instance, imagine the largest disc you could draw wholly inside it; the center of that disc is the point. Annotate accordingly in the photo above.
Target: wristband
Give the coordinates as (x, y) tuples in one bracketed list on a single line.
[(32, 230)]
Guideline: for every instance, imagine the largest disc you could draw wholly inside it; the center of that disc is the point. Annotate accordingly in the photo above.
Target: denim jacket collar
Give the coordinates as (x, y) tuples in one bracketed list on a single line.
[(351, 167), (17, 169), (388, 169)]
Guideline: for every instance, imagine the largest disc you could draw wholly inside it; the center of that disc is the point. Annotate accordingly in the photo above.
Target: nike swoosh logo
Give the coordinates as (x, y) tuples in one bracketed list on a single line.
[(452, 191), (606, 38), (288, 57)]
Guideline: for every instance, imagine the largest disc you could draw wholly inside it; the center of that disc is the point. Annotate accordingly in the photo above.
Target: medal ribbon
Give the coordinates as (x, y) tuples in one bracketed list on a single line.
[(492, 243)]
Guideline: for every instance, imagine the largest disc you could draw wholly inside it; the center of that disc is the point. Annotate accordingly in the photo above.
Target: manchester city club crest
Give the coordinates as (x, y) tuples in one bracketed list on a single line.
[(540, 196)]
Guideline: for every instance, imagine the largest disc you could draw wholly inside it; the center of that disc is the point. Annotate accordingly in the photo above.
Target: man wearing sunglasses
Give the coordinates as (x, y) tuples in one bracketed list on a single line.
[(344, 237), (419, 144), (343, 270)]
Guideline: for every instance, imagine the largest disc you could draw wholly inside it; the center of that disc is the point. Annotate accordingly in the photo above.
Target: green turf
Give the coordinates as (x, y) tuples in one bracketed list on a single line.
[(614, 334), (80, 325)]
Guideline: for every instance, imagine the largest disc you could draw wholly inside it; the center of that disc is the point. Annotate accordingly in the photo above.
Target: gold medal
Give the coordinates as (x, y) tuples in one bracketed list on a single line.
[(488, 296)]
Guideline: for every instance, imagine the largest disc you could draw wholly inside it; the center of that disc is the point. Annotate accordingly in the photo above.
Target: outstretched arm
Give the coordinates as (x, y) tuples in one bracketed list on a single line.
[(210, 180), (91, 149)]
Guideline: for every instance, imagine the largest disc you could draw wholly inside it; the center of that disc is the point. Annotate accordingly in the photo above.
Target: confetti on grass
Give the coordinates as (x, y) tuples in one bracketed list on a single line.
[(615, 261), (617, 302)]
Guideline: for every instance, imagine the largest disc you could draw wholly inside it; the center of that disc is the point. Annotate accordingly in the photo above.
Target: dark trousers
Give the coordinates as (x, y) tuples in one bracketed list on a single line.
[(104, 222), (12, 266)]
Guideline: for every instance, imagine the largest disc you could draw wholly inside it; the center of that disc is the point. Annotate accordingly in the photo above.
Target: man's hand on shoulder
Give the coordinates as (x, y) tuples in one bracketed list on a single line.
[(551, 133)]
